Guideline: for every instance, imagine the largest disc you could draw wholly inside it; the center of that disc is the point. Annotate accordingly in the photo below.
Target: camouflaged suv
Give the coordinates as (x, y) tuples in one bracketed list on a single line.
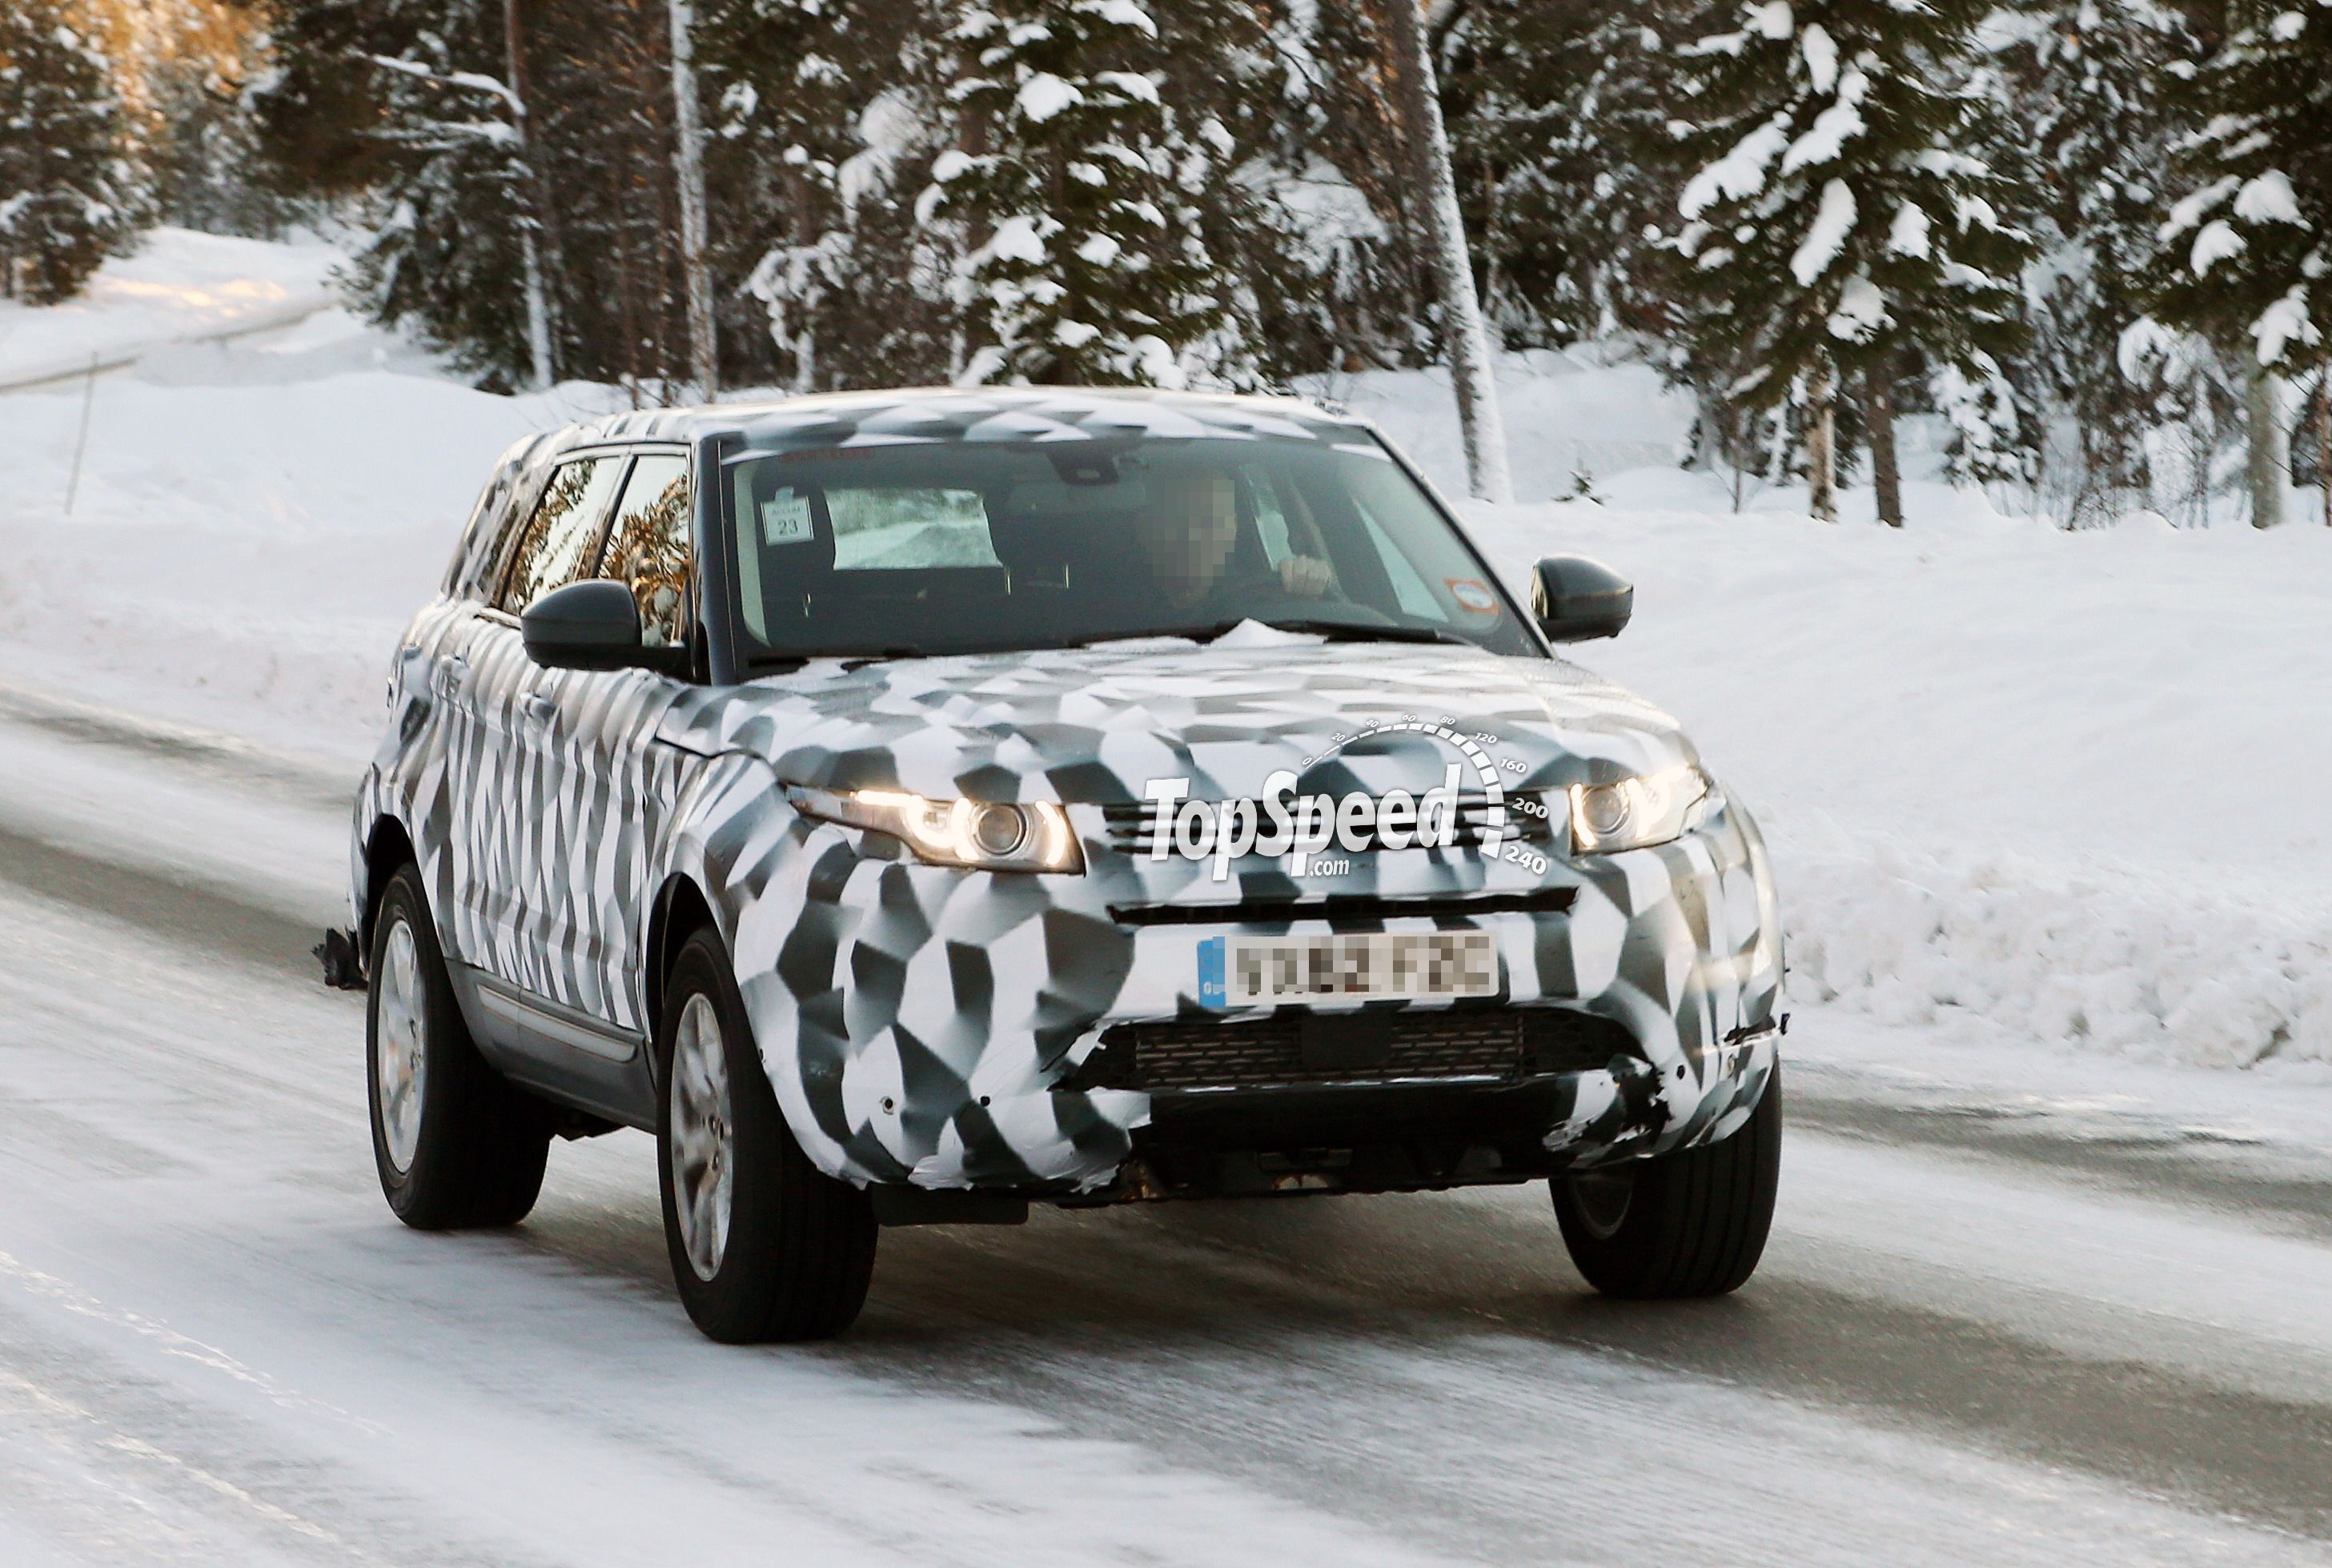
[(909, 807)]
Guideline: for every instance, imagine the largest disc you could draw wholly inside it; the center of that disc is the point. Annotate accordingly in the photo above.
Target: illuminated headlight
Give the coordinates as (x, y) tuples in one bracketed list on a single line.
[(1635, 813), (981, 834)]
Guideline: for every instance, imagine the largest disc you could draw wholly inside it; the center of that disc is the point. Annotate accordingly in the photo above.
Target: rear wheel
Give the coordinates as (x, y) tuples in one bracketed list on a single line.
[(454, 1143), (764, 1244), (1680, 1225)]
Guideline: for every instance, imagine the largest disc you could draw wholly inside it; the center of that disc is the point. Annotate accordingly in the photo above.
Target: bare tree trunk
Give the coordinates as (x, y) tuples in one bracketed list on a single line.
[(2324, 437), (2264, 428), (1821, 442), (537, 304), (688, 162), (1436, 186), (1878, 414)]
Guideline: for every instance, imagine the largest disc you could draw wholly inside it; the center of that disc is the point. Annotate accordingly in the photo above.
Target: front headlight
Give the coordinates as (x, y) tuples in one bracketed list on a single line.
[(1635, 813), (981, 835)]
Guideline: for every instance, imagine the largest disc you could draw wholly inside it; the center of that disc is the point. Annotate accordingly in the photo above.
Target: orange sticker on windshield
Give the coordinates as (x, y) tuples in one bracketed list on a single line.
[(1472, 595)]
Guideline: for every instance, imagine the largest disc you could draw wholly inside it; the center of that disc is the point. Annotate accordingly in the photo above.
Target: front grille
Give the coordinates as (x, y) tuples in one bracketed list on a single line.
[(1296, 1048), (1126, 824)]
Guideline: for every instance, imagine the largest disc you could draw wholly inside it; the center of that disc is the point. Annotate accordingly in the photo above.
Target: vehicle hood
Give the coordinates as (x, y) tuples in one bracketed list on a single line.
[(1098, 724)]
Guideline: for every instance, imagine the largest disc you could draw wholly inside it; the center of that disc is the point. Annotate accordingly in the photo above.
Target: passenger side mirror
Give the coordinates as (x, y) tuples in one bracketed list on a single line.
[(586, 626), (1576, 600)]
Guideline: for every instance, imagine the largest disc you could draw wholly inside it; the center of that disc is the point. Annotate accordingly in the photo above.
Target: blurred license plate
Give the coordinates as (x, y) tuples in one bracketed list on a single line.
[(1257, 971)]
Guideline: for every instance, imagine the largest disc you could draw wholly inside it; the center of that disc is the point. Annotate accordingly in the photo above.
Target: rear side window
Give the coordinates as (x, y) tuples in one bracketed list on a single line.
[(649, 547), (556, 545)]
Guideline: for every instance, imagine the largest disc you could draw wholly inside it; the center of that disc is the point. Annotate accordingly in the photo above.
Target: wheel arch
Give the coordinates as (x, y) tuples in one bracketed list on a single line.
[(386, 848), (680, 912)]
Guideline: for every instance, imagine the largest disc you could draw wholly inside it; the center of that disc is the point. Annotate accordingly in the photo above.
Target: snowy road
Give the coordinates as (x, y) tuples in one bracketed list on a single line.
[(2090, 1331)]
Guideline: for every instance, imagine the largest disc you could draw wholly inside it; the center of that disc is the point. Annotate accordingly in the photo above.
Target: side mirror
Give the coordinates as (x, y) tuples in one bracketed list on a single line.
[(585, 625), (1576, 600)]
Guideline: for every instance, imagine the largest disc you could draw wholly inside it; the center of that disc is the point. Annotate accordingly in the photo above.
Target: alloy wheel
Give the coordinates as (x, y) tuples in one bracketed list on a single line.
[(704, 1136)]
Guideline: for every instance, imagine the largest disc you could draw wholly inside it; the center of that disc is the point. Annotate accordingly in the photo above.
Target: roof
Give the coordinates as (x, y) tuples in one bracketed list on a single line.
[(950, 414)]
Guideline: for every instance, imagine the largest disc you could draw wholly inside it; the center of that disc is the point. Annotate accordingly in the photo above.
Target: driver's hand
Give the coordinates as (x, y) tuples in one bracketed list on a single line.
[(1307, 577)]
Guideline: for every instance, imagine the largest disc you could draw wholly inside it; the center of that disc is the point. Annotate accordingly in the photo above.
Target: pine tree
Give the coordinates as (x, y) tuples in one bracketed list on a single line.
[(2103, 105), (69, 196), (1078, 190), (823, 122), (1840, 221), (2247, 250), (419, 106)]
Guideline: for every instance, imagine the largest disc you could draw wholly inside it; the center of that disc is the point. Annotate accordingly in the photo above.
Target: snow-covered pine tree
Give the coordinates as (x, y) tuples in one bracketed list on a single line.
[(1550, 110), (2247, 248), (1841, 219), (2101, 105), (69, 194), (1076, 190), (415, 106), (824, 122)]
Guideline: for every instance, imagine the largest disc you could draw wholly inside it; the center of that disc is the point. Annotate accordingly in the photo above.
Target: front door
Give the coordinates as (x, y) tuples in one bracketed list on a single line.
[(517, 792), (596, 731)]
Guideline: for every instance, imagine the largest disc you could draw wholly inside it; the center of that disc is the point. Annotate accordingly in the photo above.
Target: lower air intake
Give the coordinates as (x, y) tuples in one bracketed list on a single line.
[(1296, 1049)]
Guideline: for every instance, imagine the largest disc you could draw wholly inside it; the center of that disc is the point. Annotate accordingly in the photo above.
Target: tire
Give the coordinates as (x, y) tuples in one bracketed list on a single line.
[(1683, 1225), (764, 1244), (455, 1143)]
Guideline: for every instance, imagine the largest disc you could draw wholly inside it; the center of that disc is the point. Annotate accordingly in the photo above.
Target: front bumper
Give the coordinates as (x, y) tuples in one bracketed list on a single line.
[(929, 1027)]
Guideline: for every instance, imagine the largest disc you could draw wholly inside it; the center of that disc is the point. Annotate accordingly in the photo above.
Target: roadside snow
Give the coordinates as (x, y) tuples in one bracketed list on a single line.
[(178, 286)]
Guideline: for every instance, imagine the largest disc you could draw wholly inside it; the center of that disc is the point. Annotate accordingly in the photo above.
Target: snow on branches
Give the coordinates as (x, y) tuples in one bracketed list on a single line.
[(1844, 216), (1077, 193)]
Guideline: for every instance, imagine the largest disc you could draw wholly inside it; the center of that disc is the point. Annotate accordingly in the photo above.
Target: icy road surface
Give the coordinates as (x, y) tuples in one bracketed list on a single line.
[(2028, 1328)]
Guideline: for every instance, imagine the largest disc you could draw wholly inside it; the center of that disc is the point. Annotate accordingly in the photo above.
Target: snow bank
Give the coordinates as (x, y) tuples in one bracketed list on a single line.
[(2145, 965)]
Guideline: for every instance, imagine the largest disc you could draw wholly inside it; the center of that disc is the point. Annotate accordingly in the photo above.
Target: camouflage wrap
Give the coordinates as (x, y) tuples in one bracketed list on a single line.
[(916, 1021)]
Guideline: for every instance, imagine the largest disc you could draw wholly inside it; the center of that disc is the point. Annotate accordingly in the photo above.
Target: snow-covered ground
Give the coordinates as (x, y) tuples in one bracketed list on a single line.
[(2064, 790)]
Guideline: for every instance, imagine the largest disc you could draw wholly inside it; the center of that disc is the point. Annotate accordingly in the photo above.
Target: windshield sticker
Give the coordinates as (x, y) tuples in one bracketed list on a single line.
[(1472, 593), (784, 518), (1316, 834)]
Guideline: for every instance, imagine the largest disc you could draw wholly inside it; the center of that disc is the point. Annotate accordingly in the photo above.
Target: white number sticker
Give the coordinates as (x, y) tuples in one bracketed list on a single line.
[(785, 518)]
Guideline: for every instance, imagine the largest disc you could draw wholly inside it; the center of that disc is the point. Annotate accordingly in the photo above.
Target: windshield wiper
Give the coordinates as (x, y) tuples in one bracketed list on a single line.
[(852, 658), (1359, 631)]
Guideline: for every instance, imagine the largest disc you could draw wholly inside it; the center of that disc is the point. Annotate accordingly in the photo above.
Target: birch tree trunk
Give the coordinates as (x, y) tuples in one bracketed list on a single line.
[(688, 163), (2264, 431), (1821, 442), (2324, 437), (538, 302), (1885, 474), (1437, 190)]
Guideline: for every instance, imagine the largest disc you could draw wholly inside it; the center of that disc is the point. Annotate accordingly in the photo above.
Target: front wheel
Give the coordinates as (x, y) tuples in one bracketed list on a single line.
[(1679, 1225), (764, 1244)]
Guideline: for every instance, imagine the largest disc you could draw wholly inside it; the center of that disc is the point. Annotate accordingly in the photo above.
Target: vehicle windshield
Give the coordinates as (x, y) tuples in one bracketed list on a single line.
[(976, 547)]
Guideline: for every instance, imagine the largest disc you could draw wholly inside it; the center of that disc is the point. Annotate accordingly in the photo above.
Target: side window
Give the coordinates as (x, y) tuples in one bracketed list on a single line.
[(557, 543), (649, 547)]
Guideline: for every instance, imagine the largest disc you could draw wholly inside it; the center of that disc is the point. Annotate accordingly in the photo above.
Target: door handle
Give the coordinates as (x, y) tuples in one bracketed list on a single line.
[(538, 708), (451, 674)]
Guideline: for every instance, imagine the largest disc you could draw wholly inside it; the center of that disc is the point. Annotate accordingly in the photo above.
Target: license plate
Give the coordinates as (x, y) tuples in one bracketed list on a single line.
[(1259, 970)]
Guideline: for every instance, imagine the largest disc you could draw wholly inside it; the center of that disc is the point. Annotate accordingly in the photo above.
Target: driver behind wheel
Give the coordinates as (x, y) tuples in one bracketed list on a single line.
[(1189, 533)]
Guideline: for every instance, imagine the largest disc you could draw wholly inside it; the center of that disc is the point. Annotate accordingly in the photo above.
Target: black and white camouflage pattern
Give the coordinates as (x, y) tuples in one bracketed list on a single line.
[(915, 1020)]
